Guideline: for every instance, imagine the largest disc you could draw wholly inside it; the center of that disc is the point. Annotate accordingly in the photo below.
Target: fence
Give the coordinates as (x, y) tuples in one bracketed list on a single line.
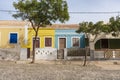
[(107, 54), (77, 52), (53, 54)]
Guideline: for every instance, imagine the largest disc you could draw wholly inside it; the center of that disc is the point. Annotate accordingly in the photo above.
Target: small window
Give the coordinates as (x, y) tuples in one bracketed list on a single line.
[(75, 42), (13, 38), (48, 42)]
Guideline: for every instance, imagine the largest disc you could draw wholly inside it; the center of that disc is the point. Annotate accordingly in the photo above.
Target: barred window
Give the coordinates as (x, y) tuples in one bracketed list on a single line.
[(75, 42)]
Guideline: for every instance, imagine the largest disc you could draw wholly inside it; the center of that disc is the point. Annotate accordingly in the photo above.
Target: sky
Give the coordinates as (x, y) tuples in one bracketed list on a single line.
[(75, 6)]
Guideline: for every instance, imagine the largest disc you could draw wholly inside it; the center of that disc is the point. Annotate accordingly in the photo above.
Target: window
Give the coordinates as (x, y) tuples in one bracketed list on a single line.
[(48, 42), (75, 42), (37, 45), (107, 44), (13, 38), (104, 43)]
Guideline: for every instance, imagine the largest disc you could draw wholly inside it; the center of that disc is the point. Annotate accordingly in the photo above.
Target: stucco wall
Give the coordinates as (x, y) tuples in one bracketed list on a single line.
[(68, 34), (44, 32), (5, 36)]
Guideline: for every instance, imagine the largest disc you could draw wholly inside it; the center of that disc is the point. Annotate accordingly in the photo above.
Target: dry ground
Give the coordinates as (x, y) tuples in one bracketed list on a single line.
[(57, 70)]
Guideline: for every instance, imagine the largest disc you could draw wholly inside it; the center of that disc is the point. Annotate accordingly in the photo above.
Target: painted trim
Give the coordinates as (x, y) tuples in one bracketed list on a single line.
[(17, 37), (58, 41), (72, 41), (51, 40)]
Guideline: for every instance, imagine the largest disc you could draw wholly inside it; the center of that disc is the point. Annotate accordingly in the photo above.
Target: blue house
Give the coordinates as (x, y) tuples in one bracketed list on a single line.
[(68, 38)]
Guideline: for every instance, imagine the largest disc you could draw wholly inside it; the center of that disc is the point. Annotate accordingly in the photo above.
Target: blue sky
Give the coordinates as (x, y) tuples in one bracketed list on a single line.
[(75, 6)]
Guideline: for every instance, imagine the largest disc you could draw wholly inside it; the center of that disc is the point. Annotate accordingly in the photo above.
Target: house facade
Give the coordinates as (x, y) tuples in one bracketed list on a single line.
[(105, 46), (45, 38), (68, 38), (11, 34), (19, 35)]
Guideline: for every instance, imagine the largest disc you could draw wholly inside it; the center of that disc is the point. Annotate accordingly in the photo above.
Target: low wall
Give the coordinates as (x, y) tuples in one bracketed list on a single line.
[(98, 54), (107, 54), (10, 54), (45, 54), (76, 53)]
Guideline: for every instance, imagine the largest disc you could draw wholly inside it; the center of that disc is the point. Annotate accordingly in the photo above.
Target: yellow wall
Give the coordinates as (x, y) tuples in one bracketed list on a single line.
[(4, 36), (43, 32)]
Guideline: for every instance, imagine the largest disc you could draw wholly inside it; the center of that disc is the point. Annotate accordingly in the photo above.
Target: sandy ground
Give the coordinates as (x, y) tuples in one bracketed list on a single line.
[(60, 70)]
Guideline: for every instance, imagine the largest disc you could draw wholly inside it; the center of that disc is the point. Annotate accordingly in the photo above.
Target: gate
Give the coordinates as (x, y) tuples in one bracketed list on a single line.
[(60, 54)]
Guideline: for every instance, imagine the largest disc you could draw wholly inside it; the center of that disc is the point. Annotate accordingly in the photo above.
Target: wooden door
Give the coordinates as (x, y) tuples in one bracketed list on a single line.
[(37, 45), (62, 43)]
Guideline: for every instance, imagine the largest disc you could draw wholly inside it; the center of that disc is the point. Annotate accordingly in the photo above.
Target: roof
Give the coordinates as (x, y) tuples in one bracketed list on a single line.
[(12, 23), (9, 23), (64, 26)]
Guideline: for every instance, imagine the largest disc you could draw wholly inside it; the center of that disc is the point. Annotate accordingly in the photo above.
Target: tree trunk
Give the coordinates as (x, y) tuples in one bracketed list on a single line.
[(85, 60), (92, 48), (34, 46), (86, 54)]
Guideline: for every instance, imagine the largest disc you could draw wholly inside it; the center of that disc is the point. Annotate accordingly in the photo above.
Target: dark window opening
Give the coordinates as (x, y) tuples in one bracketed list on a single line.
[(104, 43)]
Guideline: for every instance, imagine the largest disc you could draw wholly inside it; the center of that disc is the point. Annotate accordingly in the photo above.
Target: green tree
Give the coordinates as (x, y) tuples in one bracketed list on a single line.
[(114, 25), (41, 13), (94, 29)]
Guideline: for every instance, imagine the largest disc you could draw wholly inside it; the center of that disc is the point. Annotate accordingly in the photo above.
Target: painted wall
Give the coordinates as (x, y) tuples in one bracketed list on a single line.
[(5, 36), (43, 32), (68, 34)]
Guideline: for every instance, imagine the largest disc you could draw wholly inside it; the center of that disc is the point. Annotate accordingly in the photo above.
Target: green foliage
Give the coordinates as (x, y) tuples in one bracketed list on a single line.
[(113, 26), (42, 12), (91, 28)]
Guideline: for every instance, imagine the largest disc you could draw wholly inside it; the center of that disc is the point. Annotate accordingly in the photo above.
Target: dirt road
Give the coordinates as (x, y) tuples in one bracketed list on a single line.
[(13, 71)]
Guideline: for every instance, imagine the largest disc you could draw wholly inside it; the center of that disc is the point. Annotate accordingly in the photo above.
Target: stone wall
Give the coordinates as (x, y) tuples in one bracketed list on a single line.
[(9, 54)]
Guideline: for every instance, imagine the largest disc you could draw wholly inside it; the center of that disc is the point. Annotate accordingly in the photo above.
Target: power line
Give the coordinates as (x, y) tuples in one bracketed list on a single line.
[(94, 12), (73, 12)]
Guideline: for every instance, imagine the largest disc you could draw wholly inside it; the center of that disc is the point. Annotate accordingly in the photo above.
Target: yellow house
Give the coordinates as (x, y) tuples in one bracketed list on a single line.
[(46, 37), (12, 33)]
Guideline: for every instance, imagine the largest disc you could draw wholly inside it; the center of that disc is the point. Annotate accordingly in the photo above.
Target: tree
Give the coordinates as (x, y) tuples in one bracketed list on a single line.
[(114, 25), (89, 28), (41, 13)]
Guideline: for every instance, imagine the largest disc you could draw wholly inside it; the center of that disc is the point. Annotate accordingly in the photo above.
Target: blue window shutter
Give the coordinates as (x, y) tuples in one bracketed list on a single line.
[(13, 38)]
